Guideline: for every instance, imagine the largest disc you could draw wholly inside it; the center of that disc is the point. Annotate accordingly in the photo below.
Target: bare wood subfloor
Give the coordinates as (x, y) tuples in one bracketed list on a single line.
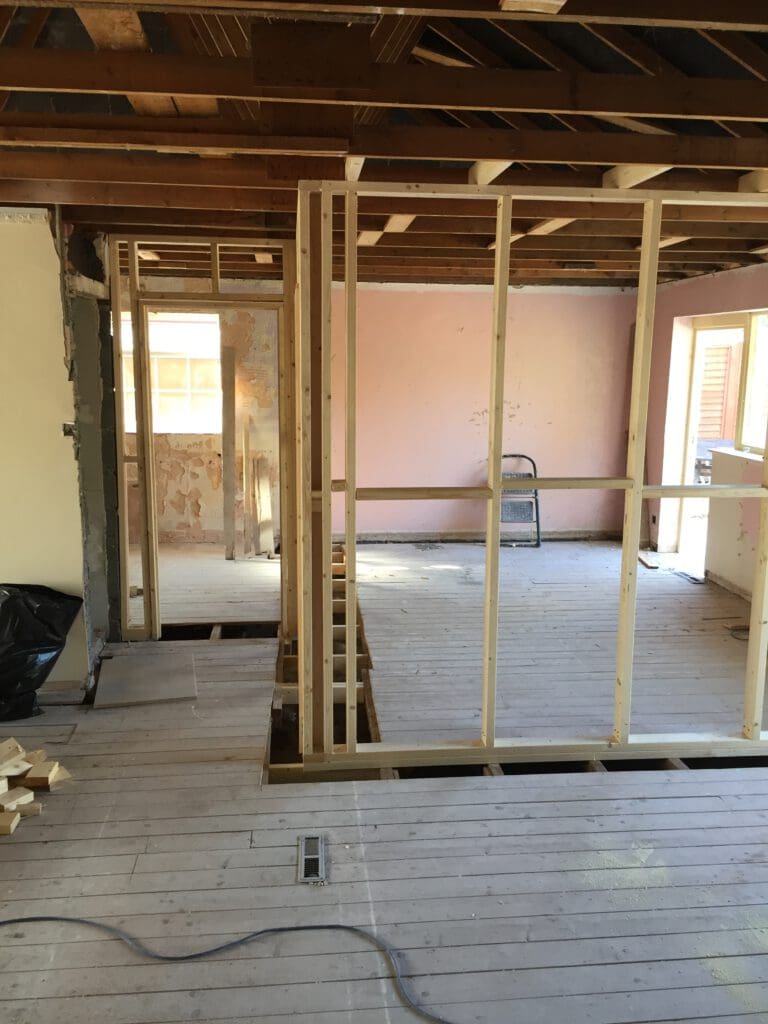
[(197, 584), (612, 898), (423, 605)]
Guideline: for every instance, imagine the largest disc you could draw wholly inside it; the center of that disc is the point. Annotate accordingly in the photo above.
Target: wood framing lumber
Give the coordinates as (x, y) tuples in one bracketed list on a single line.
[(483, 172), (532, 6), (409, 85), (493, 504), (10, 751), (30, 810), (41, 775), (629, 175), (8, 822), (19, 795), (353, 167), (633, 498), (228, 446)]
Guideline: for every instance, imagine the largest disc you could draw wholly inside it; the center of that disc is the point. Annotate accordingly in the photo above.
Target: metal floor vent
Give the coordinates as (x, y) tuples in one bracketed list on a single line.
[(312, 859)]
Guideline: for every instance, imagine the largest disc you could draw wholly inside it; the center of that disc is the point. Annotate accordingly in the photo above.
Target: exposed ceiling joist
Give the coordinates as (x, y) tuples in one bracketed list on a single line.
[(738, 15), (406, 86), (489, 147)]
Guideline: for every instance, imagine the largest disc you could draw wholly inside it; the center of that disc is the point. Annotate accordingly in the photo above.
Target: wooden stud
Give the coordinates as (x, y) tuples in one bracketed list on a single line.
[(633, 500), (350, 463), (288, 448), (145, 452), (324, 440), (493, 504), (228, 447), (304, 472)]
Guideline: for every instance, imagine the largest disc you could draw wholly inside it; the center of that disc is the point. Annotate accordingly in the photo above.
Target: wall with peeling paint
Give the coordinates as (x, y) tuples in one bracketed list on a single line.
[(188, 466), (41, 537), (423, 388)]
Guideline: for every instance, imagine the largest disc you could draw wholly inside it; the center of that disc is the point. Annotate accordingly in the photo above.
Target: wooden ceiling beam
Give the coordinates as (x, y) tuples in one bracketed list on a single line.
[(738, 15), (406, 86), (492, 147), (247, 172)]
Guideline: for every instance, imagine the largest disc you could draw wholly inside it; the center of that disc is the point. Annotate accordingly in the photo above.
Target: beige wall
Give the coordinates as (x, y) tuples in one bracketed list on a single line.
[(40, 530)]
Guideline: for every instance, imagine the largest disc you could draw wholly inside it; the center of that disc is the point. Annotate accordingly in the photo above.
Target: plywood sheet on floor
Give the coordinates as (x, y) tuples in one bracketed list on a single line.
[(422, 607), (197, 584), (149, 677)]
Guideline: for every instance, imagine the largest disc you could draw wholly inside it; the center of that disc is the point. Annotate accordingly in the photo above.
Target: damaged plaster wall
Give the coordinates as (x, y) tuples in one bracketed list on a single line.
[(40, 527), (188, 467)]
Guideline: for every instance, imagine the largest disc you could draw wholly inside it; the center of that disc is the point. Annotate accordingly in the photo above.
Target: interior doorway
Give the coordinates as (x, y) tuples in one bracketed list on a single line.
[(712, 422)]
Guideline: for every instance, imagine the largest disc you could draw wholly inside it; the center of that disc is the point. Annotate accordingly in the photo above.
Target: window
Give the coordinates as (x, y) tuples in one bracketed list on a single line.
[(185, 370), (727, 335)]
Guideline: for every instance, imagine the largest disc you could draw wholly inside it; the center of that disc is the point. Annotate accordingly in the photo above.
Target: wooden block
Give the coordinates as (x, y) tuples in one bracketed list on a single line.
[(10, 801), (30, 810), (8, 822), (60, 775), (10, 752), (35, 756), (41, 775), (13, 768)]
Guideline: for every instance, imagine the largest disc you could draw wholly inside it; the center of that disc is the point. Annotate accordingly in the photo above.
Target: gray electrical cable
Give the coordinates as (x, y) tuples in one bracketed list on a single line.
[(393, 955)]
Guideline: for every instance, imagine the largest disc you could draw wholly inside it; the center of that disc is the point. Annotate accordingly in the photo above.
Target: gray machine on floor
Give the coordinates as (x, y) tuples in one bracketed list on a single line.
[(521, 506)]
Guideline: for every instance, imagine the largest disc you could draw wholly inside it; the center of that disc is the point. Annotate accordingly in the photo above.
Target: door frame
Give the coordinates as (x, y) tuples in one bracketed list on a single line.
[(140, 299)]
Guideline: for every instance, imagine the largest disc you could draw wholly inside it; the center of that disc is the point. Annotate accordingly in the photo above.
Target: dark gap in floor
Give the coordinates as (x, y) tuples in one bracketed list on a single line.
[(727, 762), (186, 631), (249, 630), (441, 771), (637, 764), (284, 742), (544, 767), (229, 630)]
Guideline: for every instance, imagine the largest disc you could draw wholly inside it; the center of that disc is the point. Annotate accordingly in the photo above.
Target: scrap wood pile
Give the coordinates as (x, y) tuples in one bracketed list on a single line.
[(22, 775)]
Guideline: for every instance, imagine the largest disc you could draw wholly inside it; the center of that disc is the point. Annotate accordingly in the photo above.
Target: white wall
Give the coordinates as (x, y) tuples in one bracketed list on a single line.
[(40, 528), (733, 525)]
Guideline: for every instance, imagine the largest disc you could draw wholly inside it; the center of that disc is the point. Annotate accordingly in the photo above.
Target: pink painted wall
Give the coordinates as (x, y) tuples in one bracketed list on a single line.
[(423, 389)]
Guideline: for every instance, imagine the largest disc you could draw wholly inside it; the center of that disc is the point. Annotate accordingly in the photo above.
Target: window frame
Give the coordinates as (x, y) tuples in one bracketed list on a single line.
[(746, 321)]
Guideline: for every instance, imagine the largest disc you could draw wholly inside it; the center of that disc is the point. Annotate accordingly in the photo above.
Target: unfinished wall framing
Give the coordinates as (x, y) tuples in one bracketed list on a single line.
[(318, 203), (129, 253)]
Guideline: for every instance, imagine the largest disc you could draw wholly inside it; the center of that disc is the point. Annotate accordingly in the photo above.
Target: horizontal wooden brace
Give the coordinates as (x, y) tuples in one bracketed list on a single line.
[(566, 483), (421, 493), (669, 198), (706, 491)]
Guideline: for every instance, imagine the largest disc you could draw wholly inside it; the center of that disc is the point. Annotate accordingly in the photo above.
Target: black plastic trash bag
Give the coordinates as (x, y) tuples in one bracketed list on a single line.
[(34, 622)]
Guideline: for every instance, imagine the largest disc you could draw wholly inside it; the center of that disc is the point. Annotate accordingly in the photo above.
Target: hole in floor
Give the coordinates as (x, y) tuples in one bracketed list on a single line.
[(227, 630), (440, 771), (186, 631), (248, 630), (284, 739)]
